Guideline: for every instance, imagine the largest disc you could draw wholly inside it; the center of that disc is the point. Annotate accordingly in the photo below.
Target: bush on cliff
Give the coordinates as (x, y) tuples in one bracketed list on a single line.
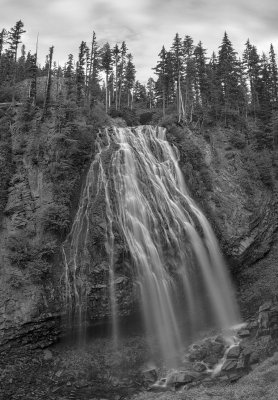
[(56, 219)]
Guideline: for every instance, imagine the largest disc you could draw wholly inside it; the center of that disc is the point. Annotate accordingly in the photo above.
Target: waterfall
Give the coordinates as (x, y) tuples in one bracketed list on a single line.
[(179, 273)]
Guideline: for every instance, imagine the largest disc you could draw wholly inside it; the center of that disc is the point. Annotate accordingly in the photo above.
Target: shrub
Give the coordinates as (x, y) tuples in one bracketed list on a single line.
[(20, 250), (98, 117), (56, 219), (130, 116), (264, 166), (145, 118), (237, 140)]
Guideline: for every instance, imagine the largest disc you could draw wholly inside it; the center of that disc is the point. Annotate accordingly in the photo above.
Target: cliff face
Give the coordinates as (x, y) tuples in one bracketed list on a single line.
[(236, 186), (38, 202), (48, 170)]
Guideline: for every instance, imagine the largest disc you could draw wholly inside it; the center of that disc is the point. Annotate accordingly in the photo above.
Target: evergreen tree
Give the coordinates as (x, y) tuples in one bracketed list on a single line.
[(116, 59), (129, 79), (201, 73), (69, 75), (48, 84), (3, 36), (214, 88), (161, 71), (150, 92), (201, 80), (265, 89), (228, 72), (189, 87), (177, 51), (122, 66), (80, 72), (31, 73), (139, 93), (273, 77), (106, 62), (251, 65), (94, 71), (14, 38)]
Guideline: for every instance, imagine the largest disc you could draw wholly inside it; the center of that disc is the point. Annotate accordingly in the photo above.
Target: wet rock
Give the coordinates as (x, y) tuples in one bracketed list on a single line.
[(252, 325), (212, 360), (254, 358), (243, 333), (235, 376), (243, 361), (199, 366), (197, 353), (150, 375), (229, 365), (233, 352), (182, 377), (159, 386), (220, 339)]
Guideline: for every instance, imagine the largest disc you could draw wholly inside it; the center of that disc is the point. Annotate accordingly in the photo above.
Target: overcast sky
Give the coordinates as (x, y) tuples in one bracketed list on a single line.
[(145, 25)]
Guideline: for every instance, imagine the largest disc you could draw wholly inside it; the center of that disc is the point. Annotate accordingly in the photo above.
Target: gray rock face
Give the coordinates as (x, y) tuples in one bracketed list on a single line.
[(245, 229)]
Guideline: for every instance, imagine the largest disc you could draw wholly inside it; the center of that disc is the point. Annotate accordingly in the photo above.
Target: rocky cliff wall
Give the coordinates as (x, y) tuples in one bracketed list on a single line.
[(236, 187), (49, 166)]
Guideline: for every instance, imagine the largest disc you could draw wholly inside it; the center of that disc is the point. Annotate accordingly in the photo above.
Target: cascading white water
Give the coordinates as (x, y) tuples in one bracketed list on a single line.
[(177, 265)]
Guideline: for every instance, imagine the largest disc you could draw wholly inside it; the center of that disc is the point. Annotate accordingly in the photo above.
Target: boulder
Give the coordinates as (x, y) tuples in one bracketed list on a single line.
[(229, 365), (265, 307), (150, 375), (234, 352), (199, 366), (178, 378), (243, 333), (263, 320)]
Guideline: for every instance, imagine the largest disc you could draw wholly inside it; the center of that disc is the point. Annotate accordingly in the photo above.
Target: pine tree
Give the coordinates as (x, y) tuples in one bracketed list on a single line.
[(189, 86), (214, 88), (106, 62), (161, 71), (80, 72), (32, 73), (251, 65), (116, 59), (265, 89), (48, 84), (273, 77), (150, 92), (129, 79), (201, 73), (3, 36), (139, 93), (122, 66), (228, 72), (14, 38), (177, 52), (69, 75), (201, 80)]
